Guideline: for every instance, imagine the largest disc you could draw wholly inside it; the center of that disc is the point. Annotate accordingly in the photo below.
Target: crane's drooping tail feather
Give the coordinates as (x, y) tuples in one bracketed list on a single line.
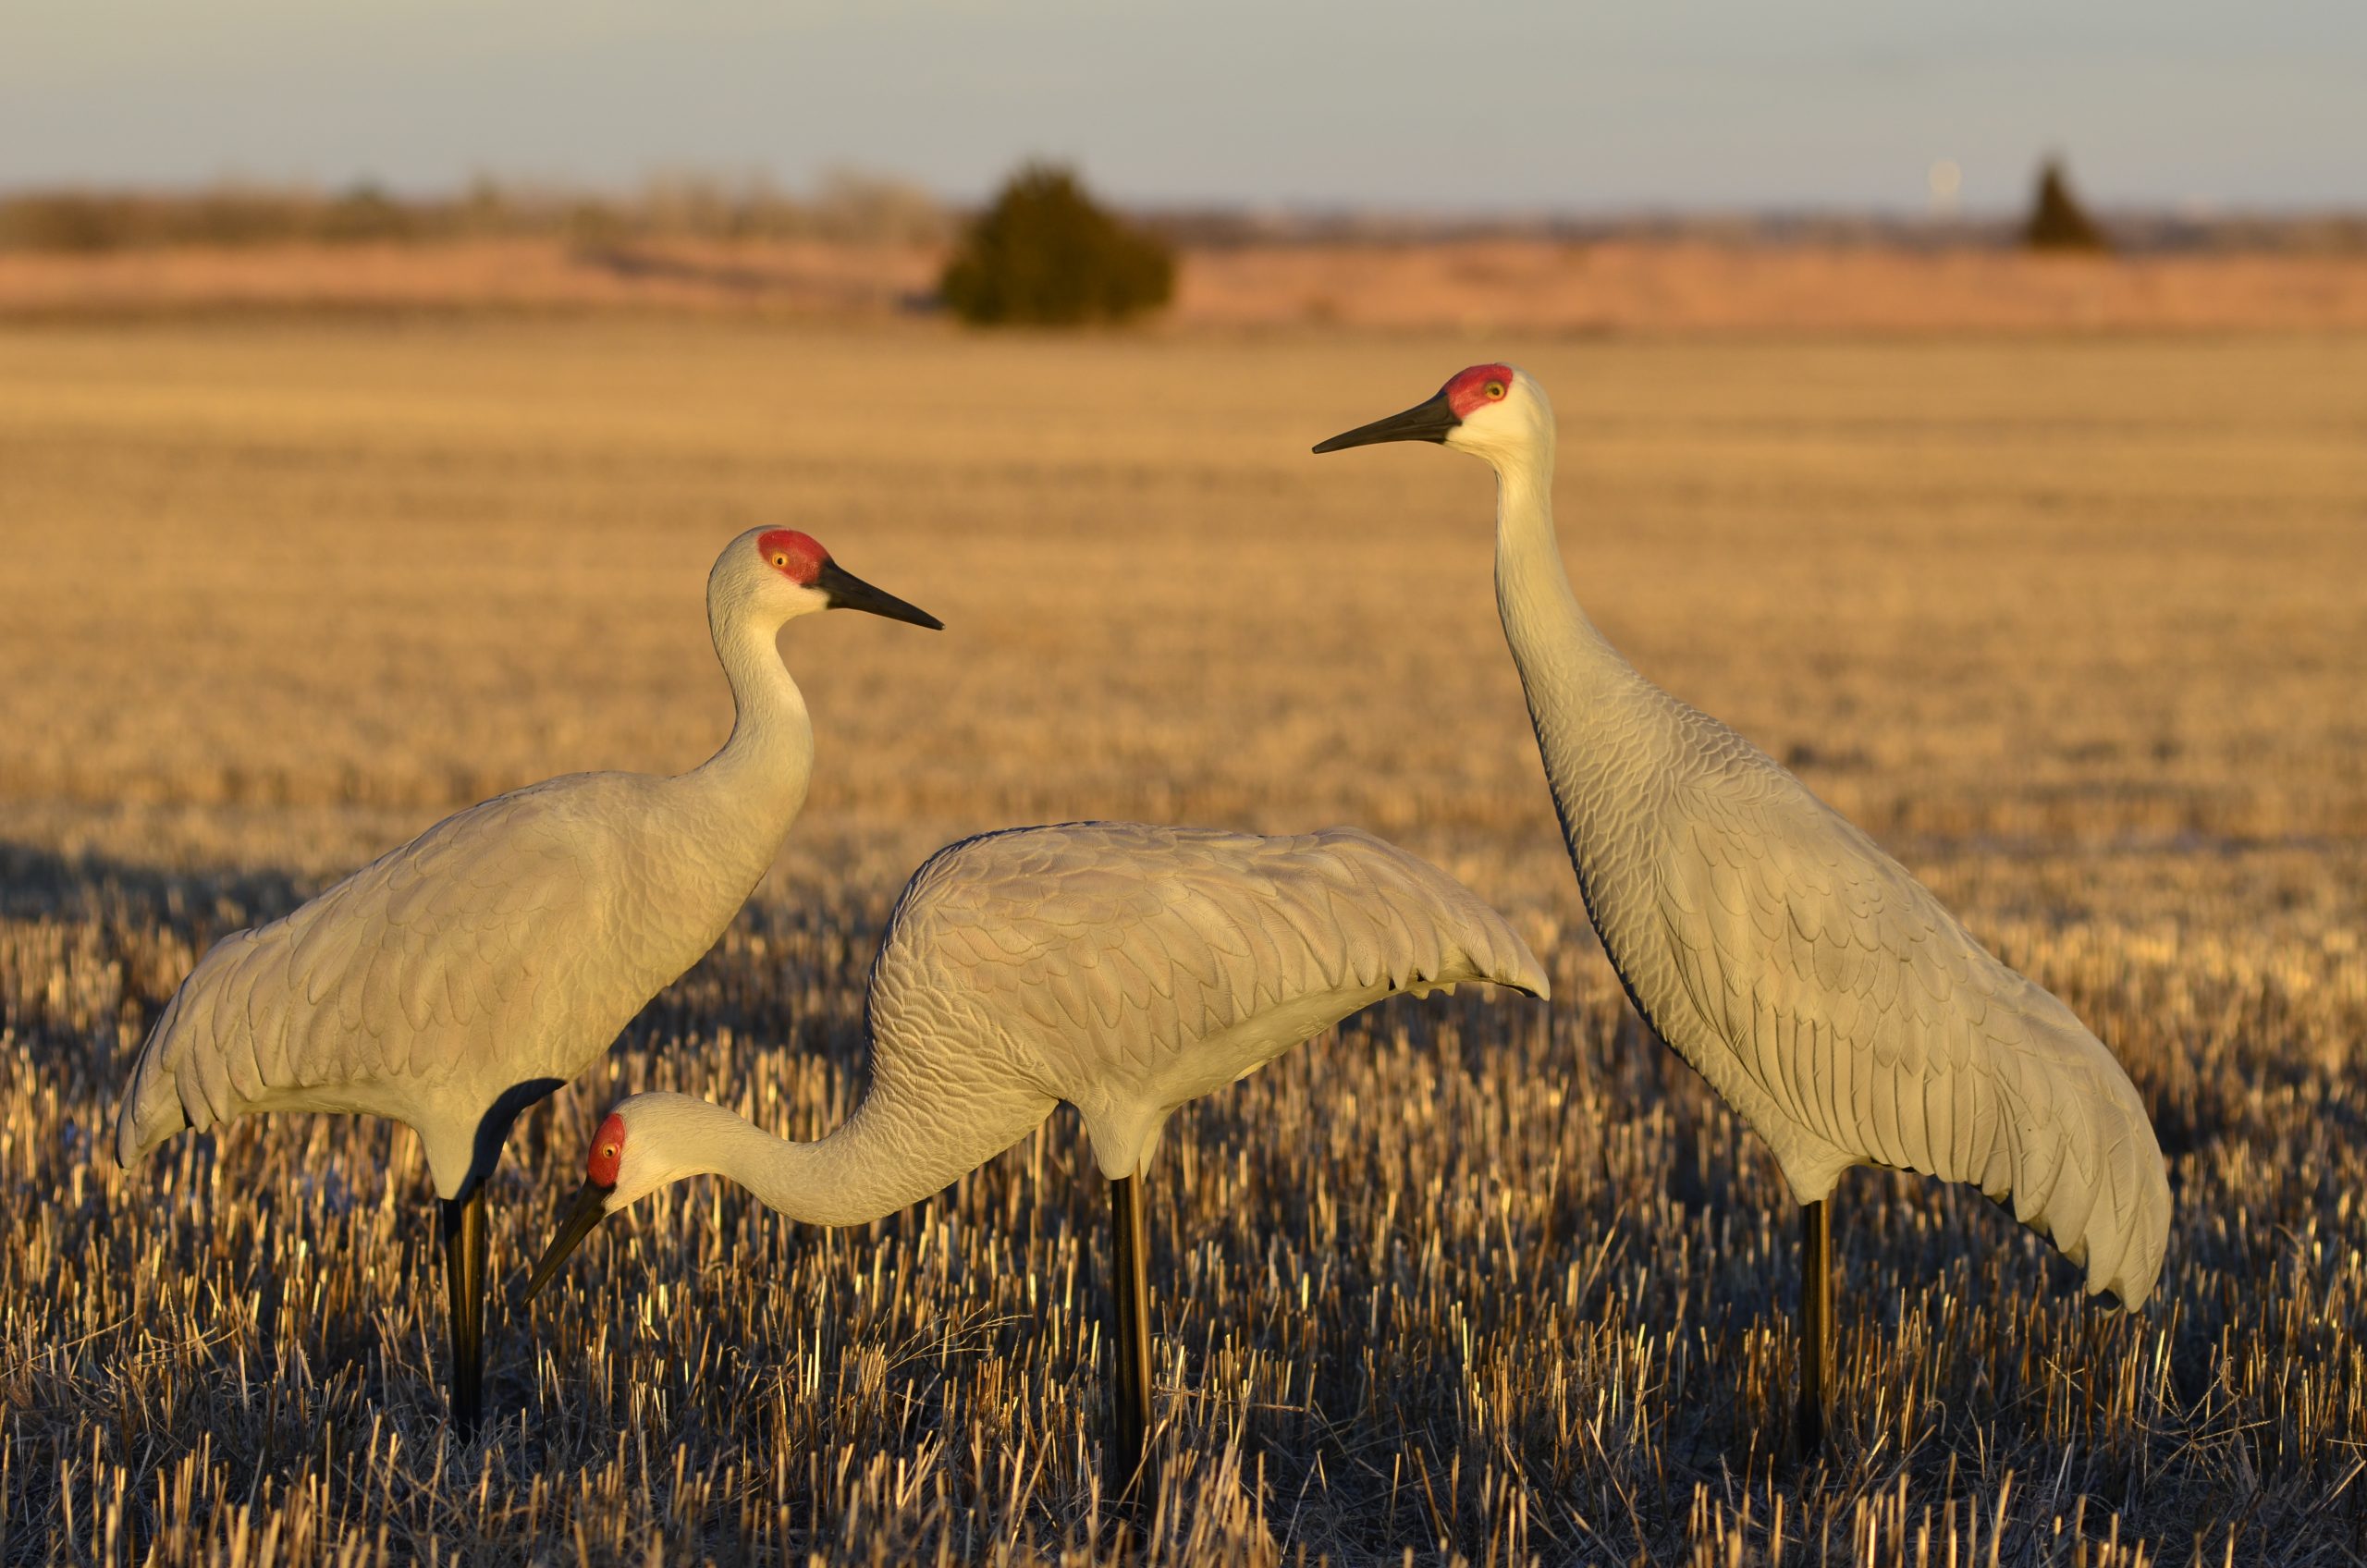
[(151, 1110), (2080, 1162), (204, 1061)]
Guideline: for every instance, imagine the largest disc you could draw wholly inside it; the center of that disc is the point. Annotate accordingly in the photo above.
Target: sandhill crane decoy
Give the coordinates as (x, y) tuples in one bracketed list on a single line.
[(1824, 994), (1122, 968), (454, 981)]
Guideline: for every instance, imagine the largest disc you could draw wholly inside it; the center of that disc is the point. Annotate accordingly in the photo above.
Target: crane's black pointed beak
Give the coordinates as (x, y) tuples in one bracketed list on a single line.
[(591, 1207), (849, 591), (1431, 421)]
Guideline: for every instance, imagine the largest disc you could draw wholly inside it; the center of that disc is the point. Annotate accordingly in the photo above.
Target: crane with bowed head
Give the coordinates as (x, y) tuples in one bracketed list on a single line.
[(1125, 969)]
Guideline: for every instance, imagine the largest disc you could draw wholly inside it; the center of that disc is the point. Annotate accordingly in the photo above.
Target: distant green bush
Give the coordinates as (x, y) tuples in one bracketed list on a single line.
[(1045, 253)]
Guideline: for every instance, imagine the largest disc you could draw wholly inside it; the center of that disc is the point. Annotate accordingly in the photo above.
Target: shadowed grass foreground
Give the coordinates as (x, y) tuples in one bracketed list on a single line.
[(2076, 629)]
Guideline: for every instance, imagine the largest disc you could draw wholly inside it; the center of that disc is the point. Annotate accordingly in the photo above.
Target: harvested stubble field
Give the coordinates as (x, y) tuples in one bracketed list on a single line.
[(2076, 627)]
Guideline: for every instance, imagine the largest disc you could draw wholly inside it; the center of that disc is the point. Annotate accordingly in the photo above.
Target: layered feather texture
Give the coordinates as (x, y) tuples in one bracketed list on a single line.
[(1129, 969), (1825, 993), (454, 980), (510, 943)]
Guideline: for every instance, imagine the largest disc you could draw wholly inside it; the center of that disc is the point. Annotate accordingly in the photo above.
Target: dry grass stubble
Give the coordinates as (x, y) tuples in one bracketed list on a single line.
[(2075, 627)]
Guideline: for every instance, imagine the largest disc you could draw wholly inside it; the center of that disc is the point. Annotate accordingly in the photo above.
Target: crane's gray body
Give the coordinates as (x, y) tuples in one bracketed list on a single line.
[(1129, 969), (1122, 968), (456, 980), (453, 981), (1821, 989)]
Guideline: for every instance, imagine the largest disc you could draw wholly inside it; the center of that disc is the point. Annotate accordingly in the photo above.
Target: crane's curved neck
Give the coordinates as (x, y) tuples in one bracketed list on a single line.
[(1557, 648), (881, 1158), (1582, 695), (763, 771)]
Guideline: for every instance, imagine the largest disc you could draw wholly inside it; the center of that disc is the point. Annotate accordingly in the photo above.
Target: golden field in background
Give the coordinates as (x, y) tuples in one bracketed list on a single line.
[(2075, 625)]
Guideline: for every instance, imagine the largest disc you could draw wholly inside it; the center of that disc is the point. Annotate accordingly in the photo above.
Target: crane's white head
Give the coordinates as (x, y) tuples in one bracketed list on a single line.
[(778, 574), (638, 1149), (1494, 411)]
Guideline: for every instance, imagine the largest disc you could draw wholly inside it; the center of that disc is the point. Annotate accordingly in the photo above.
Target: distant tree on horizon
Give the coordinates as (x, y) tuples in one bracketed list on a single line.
[(2058, 220), (1045, 253)]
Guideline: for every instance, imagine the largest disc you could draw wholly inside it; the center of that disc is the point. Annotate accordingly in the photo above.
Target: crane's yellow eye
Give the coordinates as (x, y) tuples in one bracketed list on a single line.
[(780, 560), (1495, 389), (607, 1151)]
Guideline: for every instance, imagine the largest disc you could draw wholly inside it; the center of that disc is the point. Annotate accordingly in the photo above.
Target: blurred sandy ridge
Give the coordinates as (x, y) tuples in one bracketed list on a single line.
[(1531, 285)]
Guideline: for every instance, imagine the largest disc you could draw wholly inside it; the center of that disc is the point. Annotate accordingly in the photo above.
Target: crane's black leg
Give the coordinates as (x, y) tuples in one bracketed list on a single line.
[(464, 1286), (1816, 1323), (1122, 1454)]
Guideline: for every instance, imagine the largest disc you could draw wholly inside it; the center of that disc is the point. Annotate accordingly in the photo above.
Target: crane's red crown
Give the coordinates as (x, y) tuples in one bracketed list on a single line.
[(1477, 387), (797, 556), (608, 1144)]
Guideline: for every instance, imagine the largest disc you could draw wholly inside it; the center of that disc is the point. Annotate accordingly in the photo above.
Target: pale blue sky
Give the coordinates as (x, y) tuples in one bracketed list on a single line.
[(1408, 104)]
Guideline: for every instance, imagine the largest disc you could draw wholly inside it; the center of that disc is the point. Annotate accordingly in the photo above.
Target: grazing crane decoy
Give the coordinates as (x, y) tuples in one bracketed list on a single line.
[(454, 982), (1822, 991), (1122, 968)]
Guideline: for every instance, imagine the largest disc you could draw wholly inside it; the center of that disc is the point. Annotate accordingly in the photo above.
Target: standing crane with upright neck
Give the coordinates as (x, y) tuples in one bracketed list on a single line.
[(1125, 969), (457, 980), (1821, 989)]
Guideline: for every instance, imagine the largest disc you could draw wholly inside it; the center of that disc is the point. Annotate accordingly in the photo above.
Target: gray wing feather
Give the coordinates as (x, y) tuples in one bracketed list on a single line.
[(371, 993), (1117, 940), (1830, 997)]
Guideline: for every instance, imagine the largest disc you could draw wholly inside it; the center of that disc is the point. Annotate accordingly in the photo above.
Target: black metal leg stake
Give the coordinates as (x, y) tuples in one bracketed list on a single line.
[(464, 1237), (1816, 1323), (1128, 1445)]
